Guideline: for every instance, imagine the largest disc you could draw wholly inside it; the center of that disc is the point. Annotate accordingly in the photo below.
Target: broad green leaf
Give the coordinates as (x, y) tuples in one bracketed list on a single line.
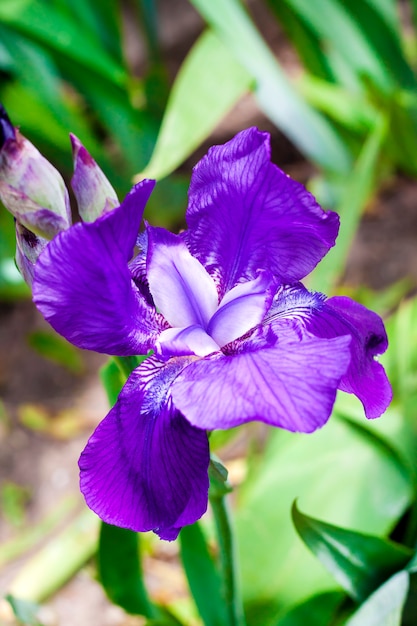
[(202, 575), (358, 189), (384, 607), (120, 570), (59, 32), (57, 349), (208, 84), (276, 96), (360, 563), (337, 474), (318, 610)]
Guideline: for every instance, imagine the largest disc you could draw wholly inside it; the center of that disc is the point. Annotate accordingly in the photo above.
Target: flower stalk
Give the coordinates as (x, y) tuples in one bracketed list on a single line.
[(219, 488)]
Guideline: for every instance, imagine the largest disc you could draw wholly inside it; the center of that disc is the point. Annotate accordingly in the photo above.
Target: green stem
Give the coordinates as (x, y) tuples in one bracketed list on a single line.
[(226, 543)]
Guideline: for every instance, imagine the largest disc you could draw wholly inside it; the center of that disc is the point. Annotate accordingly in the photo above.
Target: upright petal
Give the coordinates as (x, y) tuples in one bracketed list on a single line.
[(145, 467), (83, 286), (241, 309), (181, 288), (245, 214), (337, 317), (291, 385)]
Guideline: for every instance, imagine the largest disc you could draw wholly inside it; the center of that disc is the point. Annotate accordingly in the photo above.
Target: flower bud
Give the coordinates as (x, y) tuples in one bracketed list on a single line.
[(28, 248), (30, 187), (93, 192)]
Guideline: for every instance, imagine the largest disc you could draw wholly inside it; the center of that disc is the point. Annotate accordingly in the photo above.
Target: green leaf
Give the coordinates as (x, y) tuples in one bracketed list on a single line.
[(112, 379), (384, 607), (120, 570), (337, 473), (57, 349), (208, 84), (202, 575), (359, 562), (374, 47), (57, 31), (276, 96), (358, 190), (316, 611)]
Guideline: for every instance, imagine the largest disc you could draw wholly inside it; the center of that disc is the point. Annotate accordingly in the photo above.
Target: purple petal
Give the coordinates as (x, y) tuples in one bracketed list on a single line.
[(292, 385), (83, 285), (181, 288), (245, 214), (183, 341), (337, 317), (241, 309), (145, 467)]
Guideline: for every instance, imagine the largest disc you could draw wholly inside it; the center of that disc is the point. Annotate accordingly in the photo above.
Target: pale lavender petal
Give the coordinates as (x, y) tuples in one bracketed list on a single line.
[(183, 341), (145, 467), (245, 214), (292, 385), (336, 317), (182, 289), (241, 309), (83, 285)]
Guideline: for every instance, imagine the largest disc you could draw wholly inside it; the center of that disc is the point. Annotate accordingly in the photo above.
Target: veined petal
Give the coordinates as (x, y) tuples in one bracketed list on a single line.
[(241, 309), (83, 286), (182, 289), (145, 467), (336, 317), (291, 385), (183, 341), (244, 214)]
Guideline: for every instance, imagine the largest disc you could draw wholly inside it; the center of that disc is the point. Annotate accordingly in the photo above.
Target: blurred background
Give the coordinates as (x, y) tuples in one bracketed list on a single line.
[(148, 86)]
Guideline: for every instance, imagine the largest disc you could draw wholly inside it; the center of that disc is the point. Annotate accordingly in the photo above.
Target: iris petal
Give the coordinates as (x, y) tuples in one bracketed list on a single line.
[(336, 317), (241, 309), (244, 213), (292, 385), (145, 467), (83, 286), (181, 288)]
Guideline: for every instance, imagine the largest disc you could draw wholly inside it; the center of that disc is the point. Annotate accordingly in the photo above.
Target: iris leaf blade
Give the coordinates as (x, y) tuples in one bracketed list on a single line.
[(120, 570), (209, 83), (62, 34), (358, 561), (202, 575), (384, 607), (276, 96)]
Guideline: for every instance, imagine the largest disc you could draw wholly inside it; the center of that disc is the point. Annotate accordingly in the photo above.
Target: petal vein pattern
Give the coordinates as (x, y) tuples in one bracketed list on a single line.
[(145, 467), (83, 285), (292, 385), (244, 214)]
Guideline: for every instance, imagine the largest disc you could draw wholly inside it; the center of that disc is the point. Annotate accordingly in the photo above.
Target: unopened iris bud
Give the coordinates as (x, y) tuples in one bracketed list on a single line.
[(93, 192), (28, 248), (30, 187)]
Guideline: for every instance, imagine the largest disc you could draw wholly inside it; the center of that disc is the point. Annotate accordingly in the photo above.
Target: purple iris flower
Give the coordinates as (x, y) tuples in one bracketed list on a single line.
[(236, 337)]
